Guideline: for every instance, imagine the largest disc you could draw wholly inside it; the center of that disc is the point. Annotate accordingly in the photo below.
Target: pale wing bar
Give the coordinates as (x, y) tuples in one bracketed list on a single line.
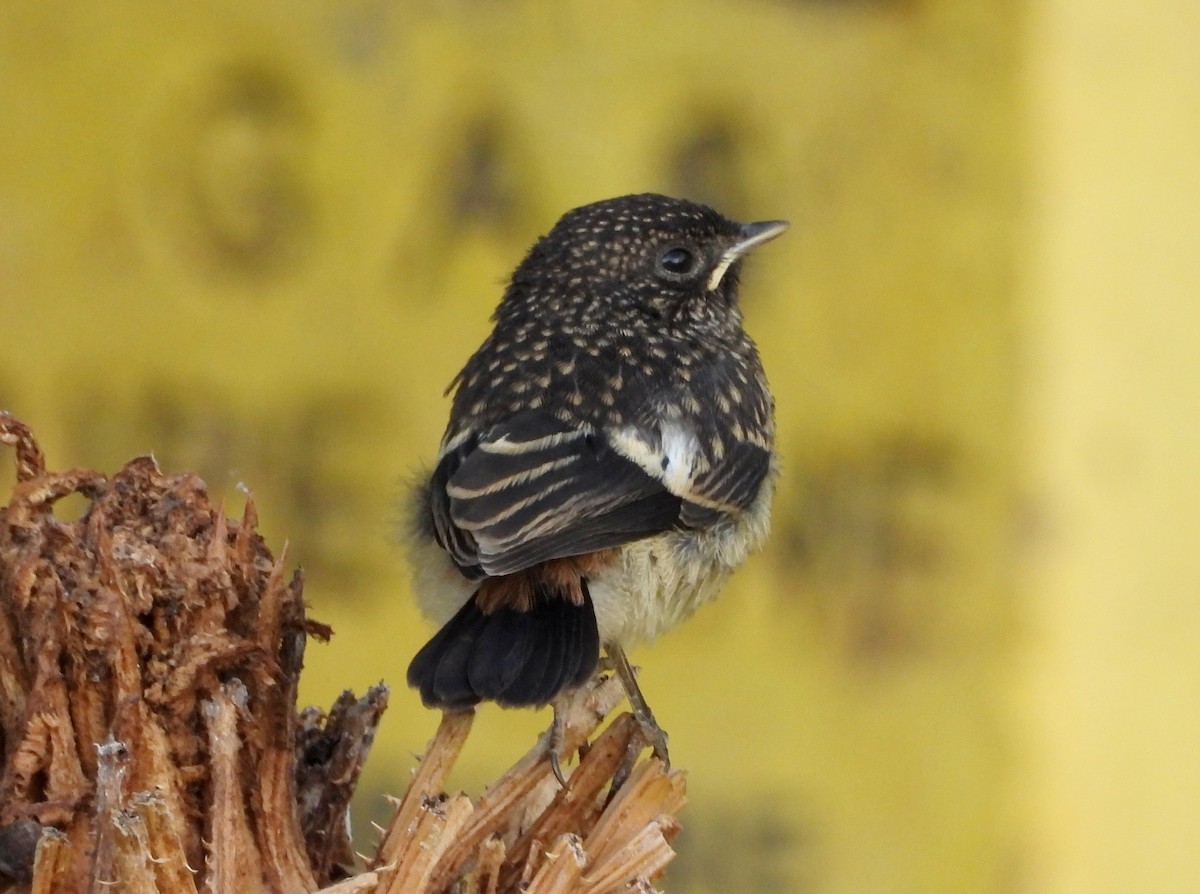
[(533, 489)]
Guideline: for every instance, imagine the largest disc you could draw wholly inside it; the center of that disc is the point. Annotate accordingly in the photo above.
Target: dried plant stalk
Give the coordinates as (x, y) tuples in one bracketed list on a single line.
[(600, 840)]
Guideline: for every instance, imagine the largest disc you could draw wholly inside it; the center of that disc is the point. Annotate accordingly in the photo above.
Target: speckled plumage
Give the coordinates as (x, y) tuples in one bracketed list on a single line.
[(587, 332), (609, 449)]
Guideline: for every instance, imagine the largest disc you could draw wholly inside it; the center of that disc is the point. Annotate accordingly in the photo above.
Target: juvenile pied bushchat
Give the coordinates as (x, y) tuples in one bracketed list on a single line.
[(608, 461)]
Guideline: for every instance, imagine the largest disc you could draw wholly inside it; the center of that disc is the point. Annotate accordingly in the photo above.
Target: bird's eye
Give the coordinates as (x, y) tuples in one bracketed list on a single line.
[(678, 261)]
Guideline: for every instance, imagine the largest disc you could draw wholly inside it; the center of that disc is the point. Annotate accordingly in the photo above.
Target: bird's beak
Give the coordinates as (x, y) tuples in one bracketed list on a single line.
[(751, 236)]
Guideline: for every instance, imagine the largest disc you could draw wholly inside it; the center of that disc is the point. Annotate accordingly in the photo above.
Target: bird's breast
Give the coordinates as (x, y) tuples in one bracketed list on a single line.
[(656, 583)]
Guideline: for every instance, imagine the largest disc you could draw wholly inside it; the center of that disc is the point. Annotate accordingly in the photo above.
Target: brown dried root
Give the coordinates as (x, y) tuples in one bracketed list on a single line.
[(149, 659)]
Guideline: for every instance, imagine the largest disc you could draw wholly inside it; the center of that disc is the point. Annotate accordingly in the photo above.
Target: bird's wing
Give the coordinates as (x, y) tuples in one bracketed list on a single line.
[(708, 488), (533, 489), (728, 487)]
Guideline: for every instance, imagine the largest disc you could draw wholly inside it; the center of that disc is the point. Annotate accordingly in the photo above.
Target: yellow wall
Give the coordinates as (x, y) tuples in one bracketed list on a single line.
[(258, 239), (1111, 691)]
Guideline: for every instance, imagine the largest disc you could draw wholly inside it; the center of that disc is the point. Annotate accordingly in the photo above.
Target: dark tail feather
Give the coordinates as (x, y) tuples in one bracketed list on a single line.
[(515, 658), (447, 687)]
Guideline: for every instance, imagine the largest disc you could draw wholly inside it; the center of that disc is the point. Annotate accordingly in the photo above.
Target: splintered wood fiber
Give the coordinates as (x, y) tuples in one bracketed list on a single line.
[(149, 652)]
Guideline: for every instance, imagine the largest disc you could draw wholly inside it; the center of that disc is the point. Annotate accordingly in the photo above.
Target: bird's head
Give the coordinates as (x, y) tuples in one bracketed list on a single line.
[(643, 254)]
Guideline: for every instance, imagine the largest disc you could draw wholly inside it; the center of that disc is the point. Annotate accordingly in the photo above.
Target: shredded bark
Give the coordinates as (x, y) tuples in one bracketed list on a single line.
[(149, 657)]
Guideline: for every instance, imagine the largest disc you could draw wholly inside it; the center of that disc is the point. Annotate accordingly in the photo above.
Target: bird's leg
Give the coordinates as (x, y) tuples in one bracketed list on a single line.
[(654, 735)]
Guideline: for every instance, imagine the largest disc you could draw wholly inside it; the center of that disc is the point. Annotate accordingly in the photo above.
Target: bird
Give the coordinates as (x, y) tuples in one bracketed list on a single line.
[(608, 461)]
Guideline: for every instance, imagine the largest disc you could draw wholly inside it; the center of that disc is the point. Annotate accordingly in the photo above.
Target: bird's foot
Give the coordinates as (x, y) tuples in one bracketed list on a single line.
[(655, 736), (554, 746), (651, 733), (557, 737)]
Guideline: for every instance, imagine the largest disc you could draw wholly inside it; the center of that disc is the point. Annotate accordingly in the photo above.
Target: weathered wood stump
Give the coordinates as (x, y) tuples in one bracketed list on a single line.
[(150, 653)]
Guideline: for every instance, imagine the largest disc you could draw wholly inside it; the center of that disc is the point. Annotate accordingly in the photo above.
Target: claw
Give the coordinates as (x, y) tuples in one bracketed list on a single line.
[(555, 743), (556, 766)]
